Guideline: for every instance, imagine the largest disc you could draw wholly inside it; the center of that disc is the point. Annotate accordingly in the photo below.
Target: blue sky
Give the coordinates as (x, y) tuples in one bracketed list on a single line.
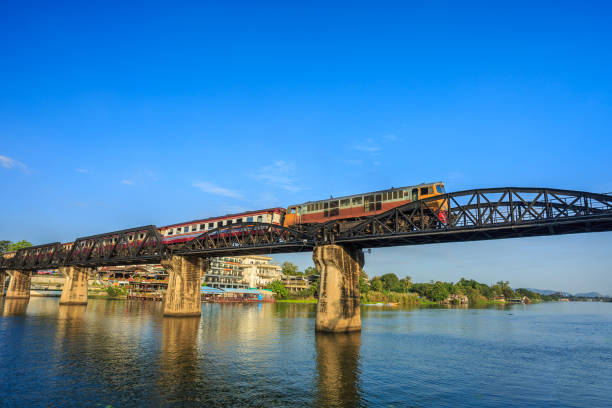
[(115, 115)]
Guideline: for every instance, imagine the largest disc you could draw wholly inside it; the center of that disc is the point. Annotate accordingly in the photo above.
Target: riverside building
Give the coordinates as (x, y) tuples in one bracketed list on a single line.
[(259, 271), (225, 273)]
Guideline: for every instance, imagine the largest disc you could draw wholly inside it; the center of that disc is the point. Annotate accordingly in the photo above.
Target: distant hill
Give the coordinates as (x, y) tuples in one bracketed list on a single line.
[(566, 294), (589, 294), (549, 292)]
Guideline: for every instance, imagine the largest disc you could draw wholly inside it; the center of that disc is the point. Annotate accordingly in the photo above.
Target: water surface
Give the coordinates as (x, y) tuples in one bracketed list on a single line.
[(124, 353)]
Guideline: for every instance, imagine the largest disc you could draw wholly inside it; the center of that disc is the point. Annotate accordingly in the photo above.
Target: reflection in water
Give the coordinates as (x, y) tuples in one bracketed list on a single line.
[(338, 369), (178, 375), (15, 307), (71, 312)]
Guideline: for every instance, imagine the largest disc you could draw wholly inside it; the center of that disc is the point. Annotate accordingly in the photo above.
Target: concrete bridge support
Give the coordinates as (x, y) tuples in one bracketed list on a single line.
[(338, 307), (2, 283), (75, 286), (184, 296), (19, 285)]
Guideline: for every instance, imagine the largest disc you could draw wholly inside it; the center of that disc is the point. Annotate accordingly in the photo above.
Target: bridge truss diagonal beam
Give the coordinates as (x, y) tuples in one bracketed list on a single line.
[(469, 215)]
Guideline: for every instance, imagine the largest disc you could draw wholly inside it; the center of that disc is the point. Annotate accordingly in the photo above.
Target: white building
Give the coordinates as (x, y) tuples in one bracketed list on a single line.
[(258, 271)]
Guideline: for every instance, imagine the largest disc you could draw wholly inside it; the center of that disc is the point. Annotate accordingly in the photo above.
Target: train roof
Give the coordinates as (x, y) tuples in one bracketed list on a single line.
[(242, 214), (372, 192)]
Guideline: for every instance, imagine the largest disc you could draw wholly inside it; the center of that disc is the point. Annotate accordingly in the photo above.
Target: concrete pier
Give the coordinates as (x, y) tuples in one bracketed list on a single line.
[(19, 286), (338, 307), (2, 283), (75, 286), (183, 297)]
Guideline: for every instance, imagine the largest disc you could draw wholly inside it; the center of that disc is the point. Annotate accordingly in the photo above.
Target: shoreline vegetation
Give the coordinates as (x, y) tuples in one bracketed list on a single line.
[(391, 290)]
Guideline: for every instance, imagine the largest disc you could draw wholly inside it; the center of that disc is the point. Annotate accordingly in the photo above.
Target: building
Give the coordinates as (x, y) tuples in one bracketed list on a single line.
[(295, 283), (259, 271), (224, 273)]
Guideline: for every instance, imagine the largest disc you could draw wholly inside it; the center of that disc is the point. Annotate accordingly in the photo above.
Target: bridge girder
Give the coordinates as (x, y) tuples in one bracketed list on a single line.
[(468, 215)]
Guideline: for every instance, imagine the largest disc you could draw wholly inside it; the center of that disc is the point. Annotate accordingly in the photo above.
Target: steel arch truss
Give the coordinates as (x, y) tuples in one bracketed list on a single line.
[(479, 214), (244, 239), (34, 258), (131, 246)]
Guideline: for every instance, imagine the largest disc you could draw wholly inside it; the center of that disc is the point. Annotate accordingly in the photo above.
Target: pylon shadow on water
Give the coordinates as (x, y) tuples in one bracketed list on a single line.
[(338, 368), (15, 307), (71, 312), (179, 355)]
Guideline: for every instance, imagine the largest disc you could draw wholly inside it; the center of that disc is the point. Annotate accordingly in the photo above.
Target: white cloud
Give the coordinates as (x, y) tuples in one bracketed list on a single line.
[(211, 188), (127, 182), (354, 162), (368, 148), (9, 163), (390, 137), (279, 174)]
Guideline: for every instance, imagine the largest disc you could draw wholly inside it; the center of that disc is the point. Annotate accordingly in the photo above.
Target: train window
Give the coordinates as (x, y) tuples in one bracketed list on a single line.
[(211, 225), (440, 189), (259, 218), (170, 232), (238, 221), (357, 201), (292, 210), (345, 203), (395, 195), (415, 194), (249, 219), (424, 191), (194, 227), (202, 227), (333, 208)]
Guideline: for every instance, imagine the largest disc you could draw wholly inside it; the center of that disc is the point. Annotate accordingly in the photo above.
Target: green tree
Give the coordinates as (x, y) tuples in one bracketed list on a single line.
[(390, 282), (114, 291), (405, 284), (290, 269), (364, 286), (4, 246), (18, 245), (311, 271), (376, 284), (439, 291), (278, 288)]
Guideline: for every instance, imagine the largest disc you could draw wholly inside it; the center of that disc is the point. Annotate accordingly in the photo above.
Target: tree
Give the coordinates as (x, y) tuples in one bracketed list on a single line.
[(376, 284), (405, 284), (311, 271), (4, 246), (390, 282), (17, 245), (278, 288), (364, 286), (439, 292), (290, 269)]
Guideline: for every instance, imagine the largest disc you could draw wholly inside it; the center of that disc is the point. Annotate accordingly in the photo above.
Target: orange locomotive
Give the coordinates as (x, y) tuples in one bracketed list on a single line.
[(358, 206)]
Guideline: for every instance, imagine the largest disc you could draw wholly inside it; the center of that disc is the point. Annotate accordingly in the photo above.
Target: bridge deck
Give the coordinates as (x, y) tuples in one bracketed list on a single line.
[(470, 215)]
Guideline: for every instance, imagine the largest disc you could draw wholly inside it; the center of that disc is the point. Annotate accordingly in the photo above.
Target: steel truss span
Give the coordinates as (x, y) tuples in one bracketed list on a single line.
[(469, 215), (473, 215), (131, 246), (246, 239)]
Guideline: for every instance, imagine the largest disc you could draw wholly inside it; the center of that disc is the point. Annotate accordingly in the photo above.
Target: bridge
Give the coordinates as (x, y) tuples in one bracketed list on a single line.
[(337, 246)]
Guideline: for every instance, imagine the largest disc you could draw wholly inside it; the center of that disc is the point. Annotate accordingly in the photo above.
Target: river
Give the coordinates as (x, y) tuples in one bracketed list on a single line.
[(124, 353)]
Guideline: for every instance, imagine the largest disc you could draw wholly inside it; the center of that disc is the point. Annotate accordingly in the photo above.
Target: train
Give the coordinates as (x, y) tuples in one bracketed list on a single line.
[(345, 209)]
